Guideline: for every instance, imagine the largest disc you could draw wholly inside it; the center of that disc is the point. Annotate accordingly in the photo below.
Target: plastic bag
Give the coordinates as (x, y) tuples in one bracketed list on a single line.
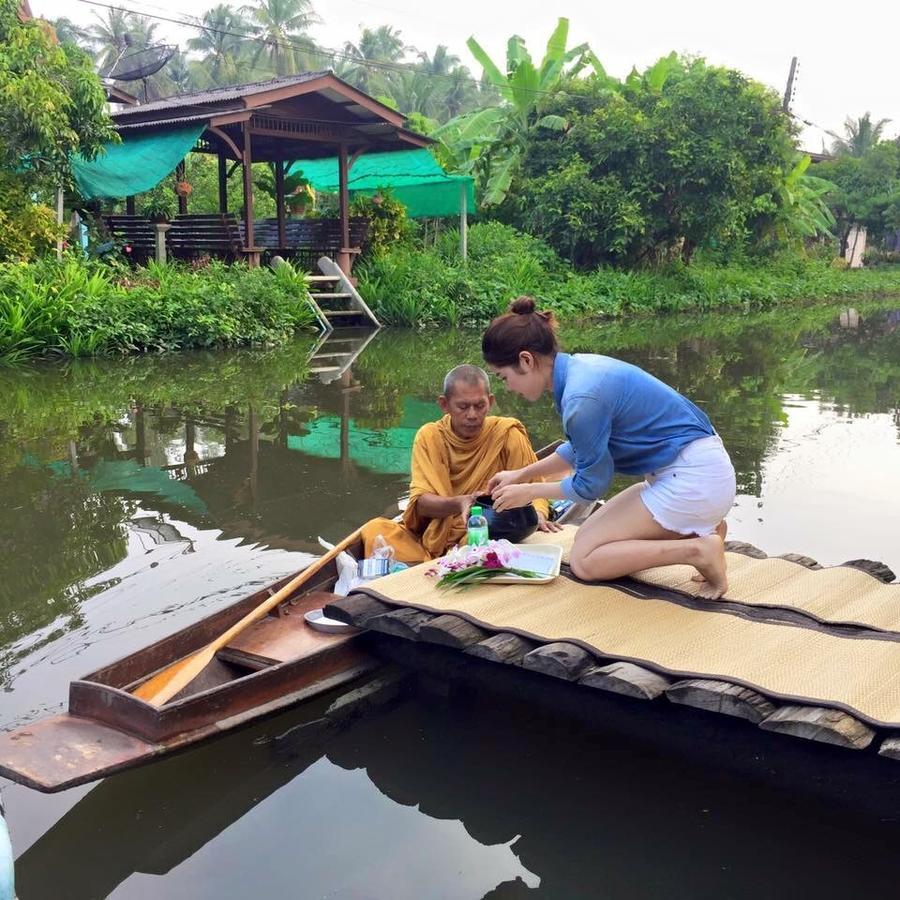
[(348, 576)]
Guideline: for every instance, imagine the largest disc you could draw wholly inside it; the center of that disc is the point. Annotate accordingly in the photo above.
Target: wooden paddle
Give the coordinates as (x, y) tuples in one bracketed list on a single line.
[(165, 684)]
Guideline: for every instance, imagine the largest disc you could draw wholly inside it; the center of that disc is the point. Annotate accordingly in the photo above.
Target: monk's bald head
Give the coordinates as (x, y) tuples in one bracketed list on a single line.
[(471, 376), (467, 399)]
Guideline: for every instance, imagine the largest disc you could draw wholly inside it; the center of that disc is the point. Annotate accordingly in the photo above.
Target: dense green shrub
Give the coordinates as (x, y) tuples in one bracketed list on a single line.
[(388, 223), (434, 286), (654, 167), (77, 308)]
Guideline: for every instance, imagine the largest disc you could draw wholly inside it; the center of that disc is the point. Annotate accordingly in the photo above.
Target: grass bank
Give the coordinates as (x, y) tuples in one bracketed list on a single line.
[(76, 308), (410, 286)]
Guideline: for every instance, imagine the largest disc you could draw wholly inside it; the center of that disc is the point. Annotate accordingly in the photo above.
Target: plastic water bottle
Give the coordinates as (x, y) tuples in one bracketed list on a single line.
[(476, 528)]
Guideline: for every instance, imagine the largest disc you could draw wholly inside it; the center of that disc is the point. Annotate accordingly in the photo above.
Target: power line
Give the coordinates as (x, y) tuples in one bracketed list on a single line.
[(330, 53), (311, 49)]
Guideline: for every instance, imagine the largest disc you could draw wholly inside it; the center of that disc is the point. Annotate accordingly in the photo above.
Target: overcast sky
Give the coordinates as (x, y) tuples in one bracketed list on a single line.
[(847, 53)]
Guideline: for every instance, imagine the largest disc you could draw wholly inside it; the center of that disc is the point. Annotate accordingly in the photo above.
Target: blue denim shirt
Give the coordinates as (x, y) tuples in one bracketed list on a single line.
[(618, 418)]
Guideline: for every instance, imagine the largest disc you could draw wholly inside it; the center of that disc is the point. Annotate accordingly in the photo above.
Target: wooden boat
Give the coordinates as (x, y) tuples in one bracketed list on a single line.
[(274, 663), (277, 662)]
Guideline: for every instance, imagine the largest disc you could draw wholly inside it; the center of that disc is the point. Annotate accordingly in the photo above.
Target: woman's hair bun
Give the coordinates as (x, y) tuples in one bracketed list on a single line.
[(523, 306)]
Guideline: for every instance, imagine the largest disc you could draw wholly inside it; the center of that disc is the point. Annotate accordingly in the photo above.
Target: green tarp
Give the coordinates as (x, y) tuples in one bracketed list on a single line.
[(412, 176), (387, 451), (136, 165)]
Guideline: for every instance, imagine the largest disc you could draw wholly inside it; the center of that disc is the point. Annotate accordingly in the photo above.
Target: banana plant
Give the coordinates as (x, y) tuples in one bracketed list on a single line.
[(804, 208), (490, 142)]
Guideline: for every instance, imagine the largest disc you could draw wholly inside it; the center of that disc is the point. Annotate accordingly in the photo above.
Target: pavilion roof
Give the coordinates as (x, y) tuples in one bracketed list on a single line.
[(291, 117), (220, 94)]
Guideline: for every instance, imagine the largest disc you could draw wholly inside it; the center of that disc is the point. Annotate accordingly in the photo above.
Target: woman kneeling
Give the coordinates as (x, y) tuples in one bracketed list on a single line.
[(617, 418)]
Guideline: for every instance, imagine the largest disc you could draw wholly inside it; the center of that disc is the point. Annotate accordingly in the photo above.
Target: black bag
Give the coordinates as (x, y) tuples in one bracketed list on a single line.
[(511, 525)]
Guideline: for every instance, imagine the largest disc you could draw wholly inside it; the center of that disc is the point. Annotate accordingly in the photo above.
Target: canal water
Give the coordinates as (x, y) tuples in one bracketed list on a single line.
[(139, 495)]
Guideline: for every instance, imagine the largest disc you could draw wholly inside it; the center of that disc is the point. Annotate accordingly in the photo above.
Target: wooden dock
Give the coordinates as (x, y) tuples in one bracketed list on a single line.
[(585, 671)]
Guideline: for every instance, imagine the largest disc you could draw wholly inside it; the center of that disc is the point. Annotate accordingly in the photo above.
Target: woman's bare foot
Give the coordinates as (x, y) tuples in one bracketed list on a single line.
[(710, 563), (721, 531)]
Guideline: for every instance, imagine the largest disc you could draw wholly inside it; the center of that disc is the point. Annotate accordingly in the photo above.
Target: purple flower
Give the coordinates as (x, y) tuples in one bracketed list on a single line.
[(492, 561)]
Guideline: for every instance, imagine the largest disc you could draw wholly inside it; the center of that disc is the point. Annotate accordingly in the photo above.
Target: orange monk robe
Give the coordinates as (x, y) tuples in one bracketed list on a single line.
[(447, 465)]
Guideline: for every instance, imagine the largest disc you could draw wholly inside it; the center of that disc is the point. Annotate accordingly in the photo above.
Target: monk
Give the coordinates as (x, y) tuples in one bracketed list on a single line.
[(452, 461)]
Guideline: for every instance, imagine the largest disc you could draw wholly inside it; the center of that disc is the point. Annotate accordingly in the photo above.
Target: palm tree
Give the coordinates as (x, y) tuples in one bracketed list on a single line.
[(67, 32), (281, 27), (110, 36), (220, 44), (860, 136), (383, 44), (442, 63), (180, 74)]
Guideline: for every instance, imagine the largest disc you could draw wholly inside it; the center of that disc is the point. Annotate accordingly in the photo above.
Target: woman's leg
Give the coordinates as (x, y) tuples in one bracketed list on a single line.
[(622, 537)]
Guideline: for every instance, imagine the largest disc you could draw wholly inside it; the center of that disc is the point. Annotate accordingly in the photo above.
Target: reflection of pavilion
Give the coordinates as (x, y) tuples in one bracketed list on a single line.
[(265, 477)]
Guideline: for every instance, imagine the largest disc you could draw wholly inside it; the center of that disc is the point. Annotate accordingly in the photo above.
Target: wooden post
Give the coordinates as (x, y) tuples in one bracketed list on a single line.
[(60, 209), (253, 430), (182, 199), (223, 183), (344, 195), (463, 221), (140, 435), (129, 205), (249, 243), (161, 228), (279, 202)]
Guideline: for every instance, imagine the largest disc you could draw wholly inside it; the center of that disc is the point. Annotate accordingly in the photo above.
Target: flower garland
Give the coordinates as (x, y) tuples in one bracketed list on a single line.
[(475, 565)]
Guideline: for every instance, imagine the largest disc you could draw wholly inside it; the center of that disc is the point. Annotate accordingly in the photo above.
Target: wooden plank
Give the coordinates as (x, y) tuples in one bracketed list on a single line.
[(559, 660), (451, 631), (356, 609), (722, 697), (874, 568), (404, 623), (745, 548), (63, 750), (281, 638), (801, 560), (503, 648), (817, 723), (890, 748), (627, 679)]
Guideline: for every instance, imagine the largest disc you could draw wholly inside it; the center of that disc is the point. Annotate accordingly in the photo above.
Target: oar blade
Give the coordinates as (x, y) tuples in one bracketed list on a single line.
[(166, 684)]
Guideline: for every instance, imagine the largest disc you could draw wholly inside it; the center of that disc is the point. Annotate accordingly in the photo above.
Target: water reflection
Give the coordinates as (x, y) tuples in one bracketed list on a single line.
[(274, 447), (137, 495), (466, 798)]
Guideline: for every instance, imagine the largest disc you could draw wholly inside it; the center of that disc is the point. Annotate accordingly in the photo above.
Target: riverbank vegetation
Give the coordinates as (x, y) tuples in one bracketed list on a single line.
[(79, 308), (676, 188), (414, 286)]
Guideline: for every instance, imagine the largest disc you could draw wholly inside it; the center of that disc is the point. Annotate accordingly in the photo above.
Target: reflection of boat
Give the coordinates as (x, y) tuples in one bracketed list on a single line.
[(152, 820), (275, 662)]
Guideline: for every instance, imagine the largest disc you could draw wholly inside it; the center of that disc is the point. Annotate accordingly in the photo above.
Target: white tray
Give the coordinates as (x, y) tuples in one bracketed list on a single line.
[(317, 619), (542, 558)]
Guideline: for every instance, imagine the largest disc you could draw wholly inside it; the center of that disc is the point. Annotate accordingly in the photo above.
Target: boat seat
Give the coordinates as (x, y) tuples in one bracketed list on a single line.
[(281, 637)]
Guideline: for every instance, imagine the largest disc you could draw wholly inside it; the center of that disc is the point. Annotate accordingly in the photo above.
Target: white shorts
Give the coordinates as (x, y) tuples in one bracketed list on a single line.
[(695, 491)]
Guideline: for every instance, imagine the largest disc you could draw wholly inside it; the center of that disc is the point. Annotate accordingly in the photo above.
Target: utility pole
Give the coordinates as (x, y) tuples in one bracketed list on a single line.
[(789, 90)]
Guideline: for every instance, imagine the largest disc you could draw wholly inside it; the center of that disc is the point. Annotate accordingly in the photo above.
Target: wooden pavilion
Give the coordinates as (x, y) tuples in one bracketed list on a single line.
[(305, 116)]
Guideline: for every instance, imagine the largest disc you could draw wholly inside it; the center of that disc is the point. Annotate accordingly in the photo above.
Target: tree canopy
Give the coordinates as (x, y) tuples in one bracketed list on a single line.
[(673, 158), (52, 101)]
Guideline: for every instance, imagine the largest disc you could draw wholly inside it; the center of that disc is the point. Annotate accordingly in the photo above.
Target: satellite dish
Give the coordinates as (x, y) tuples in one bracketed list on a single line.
[(141, 63)]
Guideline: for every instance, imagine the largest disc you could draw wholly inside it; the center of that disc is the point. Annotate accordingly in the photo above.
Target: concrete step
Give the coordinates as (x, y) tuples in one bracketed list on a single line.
[(323, 279), (329, 296)]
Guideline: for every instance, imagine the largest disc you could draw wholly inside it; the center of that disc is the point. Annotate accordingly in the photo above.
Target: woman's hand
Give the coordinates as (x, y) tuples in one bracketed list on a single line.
[(501, 479), (545, 524), (512, 496)]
